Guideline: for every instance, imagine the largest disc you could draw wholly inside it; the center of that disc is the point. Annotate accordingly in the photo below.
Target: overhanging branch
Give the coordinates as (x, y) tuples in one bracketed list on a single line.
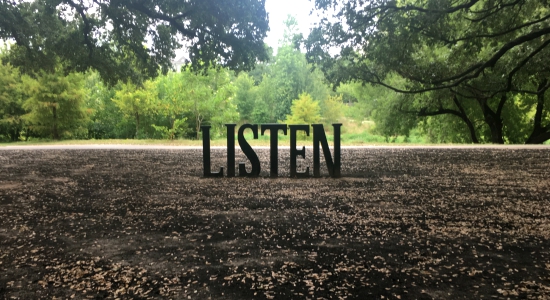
[(87, 27)]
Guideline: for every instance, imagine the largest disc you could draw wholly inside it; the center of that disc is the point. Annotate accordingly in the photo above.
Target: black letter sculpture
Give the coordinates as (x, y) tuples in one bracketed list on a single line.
[(230, 150), (295, 152), (249, 152), (206, 153), (273, 144), (320, 137)]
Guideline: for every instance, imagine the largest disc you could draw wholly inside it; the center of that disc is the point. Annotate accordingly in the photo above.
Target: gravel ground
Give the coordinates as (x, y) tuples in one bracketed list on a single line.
[(402, 223)]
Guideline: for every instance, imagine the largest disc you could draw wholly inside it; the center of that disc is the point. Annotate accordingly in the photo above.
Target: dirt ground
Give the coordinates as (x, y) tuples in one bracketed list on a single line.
[(402, 223)]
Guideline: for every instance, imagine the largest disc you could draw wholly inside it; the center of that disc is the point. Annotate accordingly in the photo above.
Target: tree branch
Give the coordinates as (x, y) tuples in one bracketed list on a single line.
[(478, 68), (425, 10), (472, 72), (494, 35), (495, 9), (87, 26), (501, 103), (523, 63), (172, 20), (540, 104)]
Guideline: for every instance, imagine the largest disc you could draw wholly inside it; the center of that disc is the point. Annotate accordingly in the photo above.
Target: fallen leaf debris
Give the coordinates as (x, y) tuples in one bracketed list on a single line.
[(402, 223)]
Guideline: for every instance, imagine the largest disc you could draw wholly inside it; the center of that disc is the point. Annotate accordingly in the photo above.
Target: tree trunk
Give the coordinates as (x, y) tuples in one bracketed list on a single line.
[(55, 132), (171, 131), (14, 134), (494, 121), (539, 138), (495, 126), (466, 120), (137, 125), (199, 121), (539, 134)]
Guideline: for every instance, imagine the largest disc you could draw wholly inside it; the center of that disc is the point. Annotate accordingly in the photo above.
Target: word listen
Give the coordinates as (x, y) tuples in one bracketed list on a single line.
[(319, 137)]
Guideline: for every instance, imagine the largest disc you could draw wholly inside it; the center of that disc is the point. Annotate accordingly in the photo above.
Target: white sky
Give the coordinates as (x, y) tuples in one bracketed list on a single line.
[(278, 11)]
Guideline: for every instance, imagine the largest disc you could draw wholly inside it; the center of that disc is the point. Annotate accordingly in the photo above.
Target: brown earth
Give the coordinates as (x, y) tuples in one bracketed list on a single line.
[(403, 223)]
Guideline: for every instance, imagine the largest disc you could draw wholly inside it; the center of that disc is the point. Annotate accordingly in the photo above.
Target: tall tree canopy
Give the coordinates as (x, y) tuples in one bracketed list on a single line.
[(485, 62), (131, 39)]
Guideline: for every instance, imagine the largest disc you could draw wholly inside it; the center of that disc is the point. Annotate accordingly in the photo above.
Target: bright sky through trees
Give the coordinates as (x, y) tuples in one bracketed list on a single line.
[(279, 10)]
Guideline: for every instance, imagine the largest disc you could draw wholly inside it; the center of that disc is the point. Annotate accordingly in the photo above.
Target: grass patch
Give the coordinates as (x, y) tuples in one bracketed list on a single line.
[(347, 139), (353, 139)]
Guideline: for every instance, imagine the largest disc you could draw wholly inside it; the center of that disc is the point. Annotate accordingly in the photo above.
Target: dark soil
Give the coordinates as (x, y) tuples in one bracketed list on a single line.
[(405, 223)]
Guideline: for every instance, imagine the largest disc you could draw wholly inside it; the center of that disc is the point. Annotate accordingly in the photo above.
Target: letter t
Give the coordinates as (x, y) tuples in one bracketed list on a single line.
[(273, 144)]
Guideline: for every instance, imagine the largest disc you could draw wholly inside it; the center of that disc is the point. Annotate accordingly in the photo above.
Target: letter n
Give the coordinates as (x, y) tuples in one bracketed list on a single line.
[(319, 137)]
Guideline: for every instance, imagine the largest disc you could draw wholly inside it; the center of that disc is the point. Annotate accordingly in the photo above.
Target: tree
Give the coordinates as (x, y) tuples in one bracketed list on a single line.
[(56, 105), (304, 110), (245, 96), (480, 55), (207, 98), (199, 96), (136, 102), (174, 102), (285, 77), (266, 100), (11, 101), (361, 99), (106, 118), (389, 119), (289, 76), (132, 39), (223, 108)]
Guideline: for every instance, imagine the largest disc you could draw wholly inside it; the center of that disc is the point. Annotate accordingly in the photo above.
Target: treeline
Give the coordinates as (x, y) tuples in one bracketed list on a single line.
[(53, 105)]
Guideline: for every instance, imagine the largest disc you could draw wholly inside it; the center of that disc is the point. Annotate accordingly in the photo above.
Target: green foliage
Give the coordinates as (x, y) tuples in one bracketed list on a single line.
[(389, 110), (444, 129), (245, 96), (109, 36), (288, 77), (178, 127), (174, 101), (106, 119), (221, 108), (280, 81), (199, 98), (361, 99), (332, 110), (304, 110), (264, 106), (389, 119), (136, 102), (172, 106), (11, 100), (473, 63), (56, 105), (290, 35)]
